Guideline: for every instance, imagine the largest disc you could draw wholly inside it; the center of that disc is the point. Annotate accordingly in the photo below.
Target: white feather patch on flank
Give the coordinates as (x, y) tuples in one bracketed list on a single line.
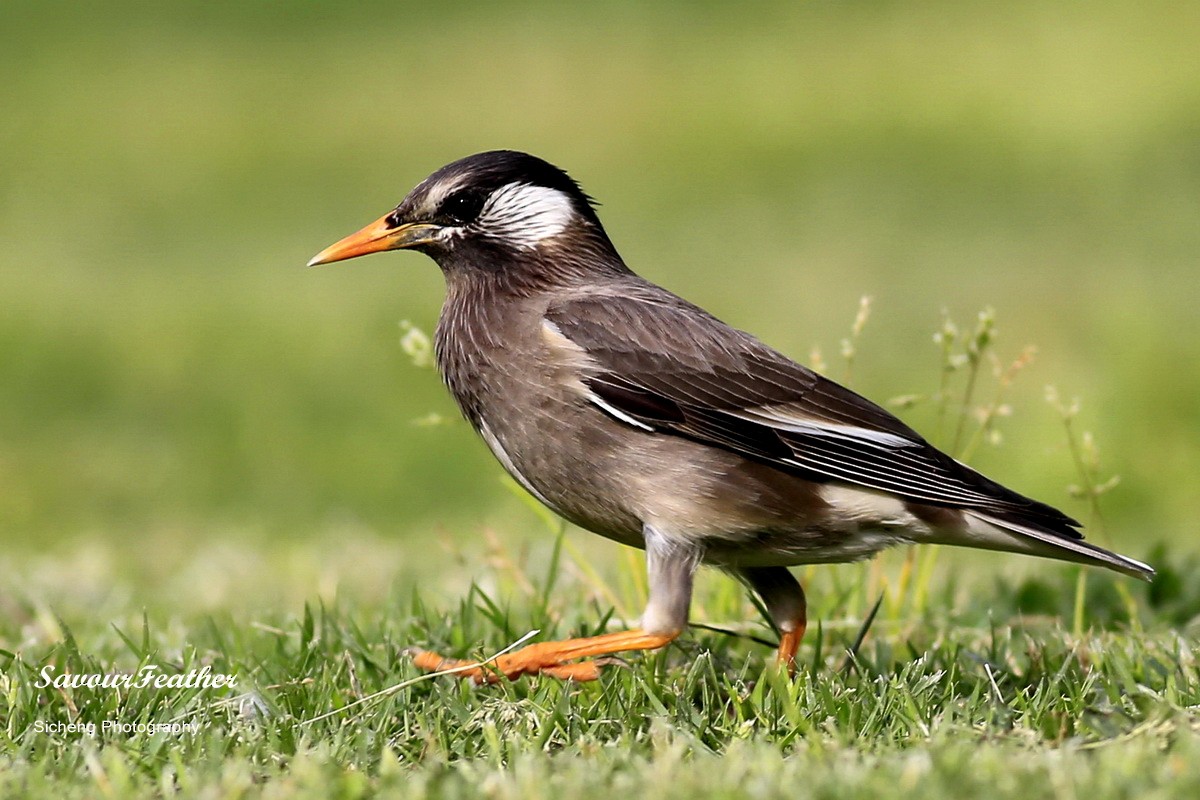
[(870, 508), (524, 215)]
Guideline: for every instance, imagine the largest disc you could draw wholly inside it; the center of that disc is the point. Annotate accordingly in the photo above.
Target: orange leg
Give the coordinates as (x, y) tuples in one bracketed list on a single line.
[(789, 643), (550, 658), (784, 599)]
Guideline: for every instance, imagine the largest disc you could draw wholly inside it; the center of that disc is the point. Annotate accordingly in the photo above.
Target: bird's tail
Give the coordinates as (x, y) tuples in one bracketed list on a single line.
[(1001, 534)]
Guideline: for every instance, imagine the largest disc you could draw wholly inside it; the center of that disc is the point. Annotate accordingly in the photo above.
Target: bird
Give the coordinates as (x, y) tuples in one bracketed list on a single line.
[(641, 417)]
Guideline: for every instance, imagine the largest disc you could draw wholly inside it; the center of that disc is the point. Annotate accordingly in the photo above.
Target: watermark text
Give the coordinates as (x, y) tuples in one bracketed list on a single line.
[(150, 676)]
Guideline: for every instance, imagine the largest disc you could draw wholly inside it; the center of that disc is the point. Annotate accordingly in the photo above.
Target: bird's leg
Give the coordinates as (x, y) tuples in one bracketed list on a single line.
[(784, 599), (670, 567)]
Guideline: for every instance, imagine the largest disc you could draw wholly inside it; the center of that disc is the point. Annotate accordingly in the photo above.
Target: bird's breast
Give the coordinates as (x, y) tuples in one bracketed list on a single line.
[(519, 386)]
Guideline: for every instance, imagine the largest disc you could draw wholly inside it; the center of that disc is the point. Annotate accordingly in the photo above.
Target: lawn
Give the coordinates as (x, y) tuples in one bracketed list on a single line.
[(979, 690), (212, 457)]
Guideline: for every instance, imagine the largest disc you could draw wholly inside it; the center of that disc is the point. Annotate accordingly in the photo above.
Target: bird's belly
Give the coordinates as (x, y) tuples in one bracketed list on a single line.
[(793, 548)]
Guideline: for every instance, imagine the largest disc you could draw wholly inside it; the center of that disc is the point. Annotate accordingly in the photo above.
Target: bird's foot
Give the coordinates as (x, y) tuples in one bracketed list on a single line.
[(789, 643), (495, 671), (556, 659)]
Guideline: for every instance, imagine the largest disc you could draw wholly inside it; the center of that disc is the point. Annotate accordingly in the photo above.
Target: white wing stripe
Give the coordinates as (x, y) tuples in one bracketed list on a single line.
[(832, 430), (617, 413)]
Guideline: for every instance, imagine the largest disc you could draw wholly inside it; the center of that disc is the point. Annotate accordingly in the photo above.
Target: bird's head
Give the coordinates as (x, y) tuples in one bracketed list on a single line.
[(496, 212)]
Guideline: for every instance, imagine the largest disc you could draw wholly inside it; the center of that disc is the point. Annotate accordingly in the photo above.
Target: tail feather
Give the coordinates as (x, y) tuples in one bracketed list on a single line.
[(1002, 534)]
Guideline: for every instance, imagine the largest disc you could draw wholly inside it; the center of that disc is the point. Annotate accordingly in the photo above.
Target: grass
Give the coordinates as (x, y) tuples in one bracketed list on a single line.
[(985, 694)]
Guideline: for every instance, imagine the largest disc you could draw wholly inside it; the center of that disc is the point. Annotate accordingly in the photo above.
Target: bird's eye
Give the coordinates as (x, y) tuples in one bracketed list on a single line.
[(463, 206)]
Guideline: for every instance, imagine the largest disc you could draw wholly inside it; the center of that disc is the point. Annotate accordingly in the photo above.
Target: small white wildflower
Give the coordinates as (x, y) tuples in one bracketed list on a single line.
[(816, 360), (905, 400), (416, 345), (864, 313)]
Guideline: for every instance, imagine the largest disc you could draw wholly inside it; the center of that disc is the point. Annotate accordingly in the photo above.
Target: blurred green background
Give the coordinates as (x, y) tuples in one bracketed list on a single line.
[(171, 374)]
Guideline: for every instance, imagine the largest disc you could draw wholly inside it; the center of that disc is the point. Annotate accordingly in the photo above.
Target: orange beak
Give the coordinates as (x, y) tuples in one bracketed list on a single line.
[(375, 238)]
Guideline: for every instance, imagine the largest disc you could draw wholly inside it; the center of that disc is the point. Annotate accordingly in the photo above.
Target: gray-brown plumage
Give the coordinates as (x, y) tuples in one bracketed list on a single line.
[(641, 417)]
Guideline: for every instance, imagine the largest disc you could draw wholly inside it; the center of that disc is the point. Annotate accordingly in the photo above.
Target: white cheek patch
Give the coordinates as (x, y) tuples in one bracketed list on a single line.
[(524, 215)]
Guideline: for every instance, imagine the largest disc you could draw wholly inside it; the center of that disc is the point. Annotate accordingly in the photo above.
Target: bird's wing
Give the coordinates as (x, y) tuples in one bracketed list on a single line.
[(661, 364)]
